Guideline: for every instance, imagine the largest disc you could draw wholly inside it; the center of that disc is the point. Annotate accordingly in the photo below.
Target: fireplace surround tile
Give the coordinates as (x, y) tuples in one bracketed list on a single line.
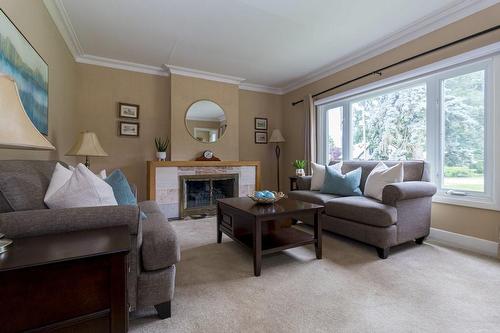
[(167, 183)]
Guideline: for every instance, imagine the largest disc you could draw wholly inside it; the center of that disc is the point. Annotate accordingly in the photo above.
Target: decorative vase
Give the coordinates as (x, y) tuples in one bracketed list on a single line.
[(161, 155), (300, 172)]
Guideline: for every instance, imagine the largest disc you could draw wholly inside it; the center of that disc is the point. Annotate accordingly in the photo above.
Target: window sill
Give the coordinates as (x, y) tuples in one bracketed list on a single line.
[(473, 202)]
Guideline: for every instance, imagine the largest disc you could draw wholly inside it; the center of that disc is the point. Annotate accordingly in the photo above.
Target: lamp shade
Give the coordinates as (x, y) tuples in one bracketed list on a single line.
[(87, 145), (16, 129), (276, 136)]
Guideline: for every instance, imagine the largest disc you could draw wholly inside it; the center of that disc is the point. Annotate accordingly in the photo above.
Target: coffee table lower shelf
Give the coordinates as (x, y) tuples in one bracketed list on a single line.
[(283, 239)]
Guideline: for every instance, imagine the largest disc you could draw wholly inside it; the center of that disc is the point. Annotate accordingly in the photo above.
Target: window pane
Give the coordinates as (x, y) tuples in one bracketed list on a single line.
[(463, 108), (390, 126), (334, 135)]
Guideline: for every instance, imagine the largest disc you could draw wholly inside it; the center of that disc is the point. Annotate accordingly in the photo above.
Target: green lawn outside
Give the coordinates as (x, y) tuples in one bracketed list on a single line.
[(464, 183)]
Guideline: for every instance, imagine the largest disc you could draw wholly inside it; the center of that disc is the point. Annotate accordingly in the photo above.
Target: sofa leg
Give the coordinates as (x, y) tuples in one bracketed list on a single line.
[(383, 253), (420, 240), (163, 310)]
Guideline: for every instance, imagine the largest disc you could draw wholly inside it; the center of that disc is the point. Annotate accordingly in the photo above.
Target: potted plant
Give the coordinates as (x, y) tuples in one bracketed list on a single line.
[(299, 166), (161, 145)]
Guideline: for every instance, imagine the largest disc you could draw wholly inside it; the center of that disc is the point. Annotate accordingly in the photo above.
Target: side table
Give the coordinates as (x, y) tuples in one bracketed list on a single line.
[(71, 282)]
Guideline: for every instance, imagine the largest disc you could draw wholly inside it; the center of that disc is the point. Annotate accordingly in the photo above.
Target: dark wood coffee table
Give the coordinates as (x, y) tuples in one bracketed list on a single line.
[(257, 226)]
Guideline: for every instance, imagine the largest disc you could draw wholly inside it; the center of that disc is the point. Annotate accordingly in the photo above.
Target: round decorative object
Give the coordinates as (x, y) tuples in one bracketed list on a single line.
[(208, 154), (263, 199), (206, 121)]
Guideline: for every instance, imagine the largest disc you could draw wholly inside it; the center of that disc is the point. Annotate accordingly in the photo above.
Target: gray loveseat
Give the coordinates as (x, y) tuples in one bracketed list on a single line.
[(154, 247), (403, 215)]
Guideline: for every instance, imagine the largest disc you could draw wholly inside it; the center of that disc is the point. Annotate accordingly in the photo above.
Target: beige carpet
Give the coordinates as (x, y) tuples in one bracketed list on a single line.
[(427, 288)]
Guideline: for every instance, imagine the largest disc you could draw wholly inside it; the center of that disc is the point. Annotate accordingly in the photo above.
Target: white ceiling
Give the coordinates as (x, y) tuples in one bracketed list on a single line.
[(271, 43)]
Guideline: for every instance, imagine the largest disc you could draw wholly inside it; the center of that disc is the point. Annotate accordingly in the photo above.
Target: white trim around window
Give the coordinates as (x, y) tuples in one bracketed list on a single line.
[(487, 59)]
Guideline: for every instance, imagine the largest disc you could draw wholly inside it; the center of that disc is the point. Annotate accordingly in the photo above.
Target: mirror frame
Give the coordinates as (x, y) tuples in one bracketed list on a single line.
[(186, 124)]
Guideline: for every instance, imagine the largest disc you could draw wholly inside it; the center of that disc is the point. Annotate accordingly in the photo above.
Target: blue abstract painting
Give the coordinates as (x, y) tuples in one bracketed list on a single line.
[(19, 60)]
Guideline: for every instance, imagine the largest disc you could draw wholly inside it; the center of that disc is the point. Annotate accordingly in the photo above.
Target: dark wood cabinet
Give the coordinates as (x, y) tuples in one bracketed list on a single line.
[(72, 282)]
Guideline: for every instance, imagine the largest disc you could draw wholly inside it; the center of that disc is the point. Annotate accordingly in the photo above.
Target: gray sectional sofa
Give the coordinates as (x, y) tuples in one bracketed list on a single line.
[(403, 215), (154, 247)]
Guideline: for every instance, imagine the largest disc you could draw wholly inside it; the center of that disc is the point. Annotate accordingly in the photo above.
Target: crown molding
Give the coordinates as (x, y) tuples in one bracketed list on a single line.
[(434, 21), (184, 71), (119, 64), (427, 24), (61, 19), (261, 88)]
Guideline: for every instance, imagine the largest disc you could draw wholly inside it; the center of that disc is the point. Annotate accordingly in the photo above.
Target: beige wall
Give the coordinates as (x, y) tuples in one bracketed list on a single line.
[(99, 91), (474, 222), (184, 92), (33, 20), (255, 104)]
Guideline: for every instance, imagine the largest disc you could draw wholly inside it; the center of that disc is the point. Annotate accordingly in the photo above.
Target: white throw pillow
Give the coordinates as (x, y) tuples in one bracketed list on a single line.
[(318, 175), (83, 189), (101, 174), (59, 177), (380, 176)]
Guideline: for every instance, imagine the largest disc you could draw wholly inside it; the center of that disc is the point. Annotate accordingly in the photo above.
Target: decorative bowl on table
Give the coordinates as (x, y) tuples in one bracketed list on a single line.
[(267, 197)]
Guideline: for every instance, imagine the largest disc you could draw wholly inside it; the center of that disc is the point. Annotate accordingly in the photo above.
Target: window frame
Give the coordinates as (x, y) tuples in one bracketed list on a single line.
[(432, 76)]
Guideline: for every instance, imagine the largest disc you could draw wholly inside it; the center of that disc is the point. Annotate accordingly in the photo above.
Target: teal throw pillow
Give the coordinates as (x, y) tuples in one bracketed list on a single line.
[(339, 184), (121, 189)]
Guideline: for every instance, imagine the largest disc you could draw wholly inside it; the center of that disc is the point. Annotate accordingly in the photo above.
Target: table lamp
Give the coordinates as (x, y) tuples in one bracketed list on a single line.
[(16, 129), (277, 137), (87, 145)]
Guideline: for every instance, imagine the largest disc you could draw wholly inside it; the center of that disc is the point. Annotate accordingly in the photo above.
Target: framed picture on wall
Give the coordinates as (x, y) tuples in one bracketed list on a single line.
[(260, 137), (20, 61), (128, 129), (126, 110), (261, 124)]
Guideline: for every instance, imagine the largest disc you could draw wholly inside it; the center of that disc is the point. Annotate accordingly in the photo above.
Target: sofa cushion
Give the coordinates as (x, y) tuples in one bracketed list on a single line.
[(363, 210), (315, 197), (23, 184), (59, 177), (83, 189), (381, 176), (413, 170), (339, 184), (121, 188)]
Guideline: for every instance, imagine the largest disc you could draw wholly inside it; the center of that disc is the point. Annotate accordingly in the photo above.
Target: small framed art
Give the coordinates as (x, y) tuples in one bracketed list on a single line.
[(261, 124), (126, 110), (128, 129), (260, 137)]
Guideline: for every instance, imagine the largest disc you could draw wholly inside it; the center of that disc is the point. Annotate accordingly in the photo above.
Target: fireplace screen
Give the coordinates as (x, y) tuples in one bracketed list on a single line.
[(199, 193)]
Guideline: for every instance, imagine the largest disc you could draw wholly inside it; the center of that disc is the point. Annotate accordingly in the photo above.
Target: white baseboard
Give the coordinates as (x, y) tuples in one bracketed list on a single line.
[(473, 244)]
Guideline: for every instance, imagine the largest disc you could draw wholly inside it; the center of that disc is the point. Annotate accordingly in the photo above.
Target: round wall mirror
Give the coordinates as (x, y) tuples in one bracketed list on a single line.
[(206, 121)]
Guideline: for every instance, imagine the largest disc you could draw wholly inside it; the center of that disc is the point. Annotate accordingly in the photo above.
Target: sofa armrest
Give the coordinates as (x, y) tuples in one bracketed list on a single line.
[(304, 183), (49, 221), (160, 247), (407, 190)]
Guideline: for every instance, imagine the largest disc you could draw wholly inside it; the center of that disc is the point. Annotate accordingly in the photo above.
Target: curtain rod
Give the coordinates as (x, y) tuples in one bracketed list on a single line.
[(379, 71)]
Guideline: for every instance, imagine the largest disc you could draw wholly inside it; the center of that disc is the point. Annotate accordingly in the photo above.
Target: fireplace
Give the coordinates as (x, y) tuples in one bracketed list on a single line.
[(199, 193)]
